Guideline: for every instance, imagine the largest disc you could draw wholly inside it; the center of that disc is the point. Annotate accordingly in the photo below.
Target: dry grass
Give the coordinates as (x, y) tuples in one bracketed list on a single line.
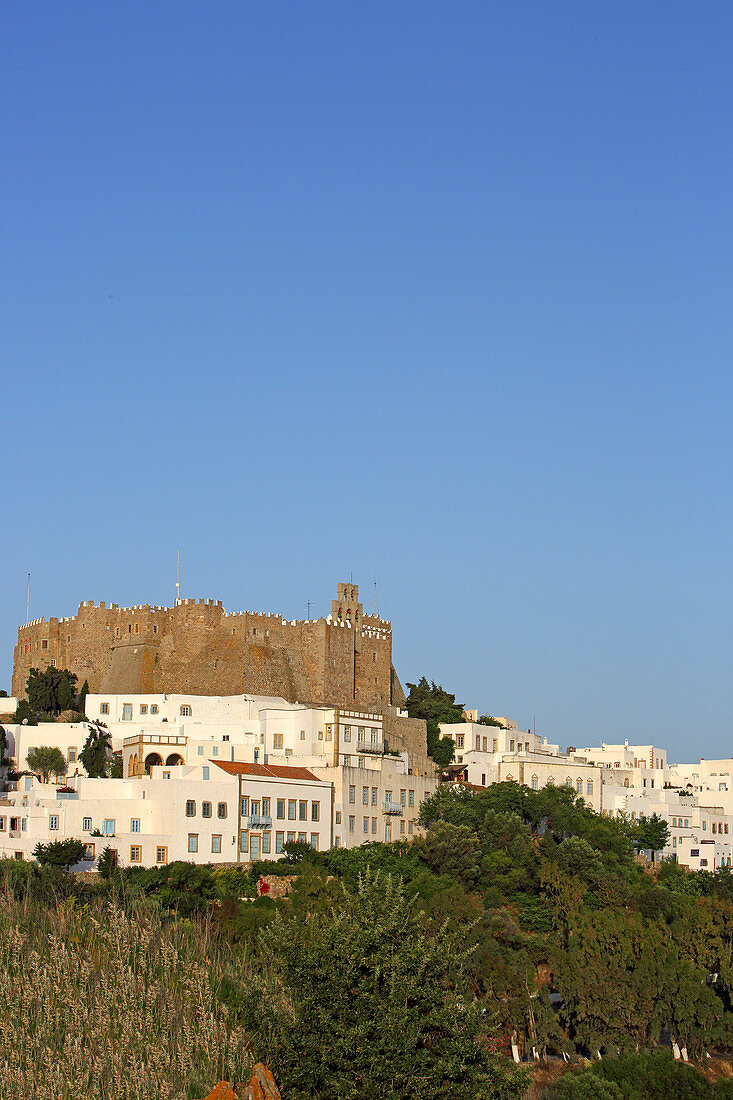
[(96, 1004)]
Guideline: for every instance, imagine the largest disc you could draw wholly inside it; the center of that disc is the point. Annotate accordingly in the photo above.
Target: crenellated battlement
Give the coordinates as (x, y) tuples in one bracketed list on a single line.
[(343, 657)]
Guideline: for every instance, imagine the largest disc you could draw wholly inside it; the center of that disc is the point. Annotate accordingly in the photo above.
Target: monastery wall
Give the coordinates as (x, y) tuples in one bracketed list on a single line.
[(198, 646)]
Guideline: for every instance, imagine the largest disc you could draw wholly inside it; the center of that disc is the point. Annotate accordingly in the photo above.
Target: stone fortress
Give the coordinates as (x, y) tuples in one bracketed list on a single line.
[(344, 659)]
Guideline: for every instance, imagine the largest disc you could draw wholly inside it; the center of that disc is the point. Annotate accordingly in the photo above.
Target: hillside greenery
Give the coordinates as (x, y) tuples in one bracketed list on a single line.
[(407, 969)]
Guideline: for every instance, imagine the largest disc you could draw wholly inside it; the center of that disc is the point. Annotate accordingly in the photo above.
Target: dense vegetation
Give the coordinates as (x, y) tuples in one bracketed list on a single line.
[(405, 970)]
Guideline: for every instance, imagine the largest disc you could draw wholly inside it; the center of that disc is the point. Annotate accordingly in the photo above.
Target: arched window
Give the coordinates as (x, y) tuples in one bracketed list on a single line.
[(568, 781), (152, 760), (579, 786), (589, 786), (509, 779), (535, 783), (550, 782), (185, 711)]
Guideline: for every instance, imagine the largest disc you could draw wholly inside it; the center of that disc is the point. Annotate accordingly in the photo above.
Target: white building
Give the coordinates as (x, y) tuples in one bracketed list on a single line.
[(208, 813), (171, 744)]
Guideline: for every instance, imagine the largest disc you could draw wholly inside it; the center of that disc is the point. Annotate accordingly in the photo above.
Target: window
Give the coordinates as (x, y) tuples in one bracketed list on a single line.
[(277, 741), (302, 811), (315, 811), (161, 855), (53, 822), (409, 826), (143, 708), (221, 810), (87, 824), (535, 783), (337, 842), (244, 841), (190, 808), (484, 744), (72, 756), (302, 735), (108, 826), (135, 825), (292, 806), (281, 809), (579, 786), (511, 746), (374, 796), (314, 841), (403, 798), (244, 808), (200, 750), (402, 826), (589, 786), (365, 824), (365, 795), (302, 838), (127, 712), (329, 733), (53, 662), (205, 772), (104, 708), (89, 851), (374, 824), (352, 794), (215, 751), (136, 853), (459, 741), (291, 837), (166, 775), (352, 823), (206, 809), (338, 817), (410, 798), (154, 710), (216, 845), (279, 838), (265, 844), (185, 711), (347, 733), (388, 831), (44, 645), (193, 842)]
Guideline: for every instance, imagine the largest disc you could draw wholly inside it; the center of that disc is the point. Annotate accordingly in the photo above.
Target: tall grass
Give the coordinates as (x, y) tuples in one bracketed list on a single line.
[(102, 1002)]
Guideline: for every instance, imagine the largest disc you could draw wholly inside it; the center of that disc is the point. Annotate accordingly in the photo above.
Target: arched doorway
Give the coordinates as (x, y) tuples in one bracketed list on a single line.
[(152, 760), (174, 760)]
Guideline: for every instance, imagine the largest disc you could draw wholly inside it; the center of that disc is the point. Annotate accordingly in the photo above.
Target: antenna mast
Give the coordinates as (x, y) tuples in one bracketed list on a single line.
[(28, 601), (178, 579), (375, 597)]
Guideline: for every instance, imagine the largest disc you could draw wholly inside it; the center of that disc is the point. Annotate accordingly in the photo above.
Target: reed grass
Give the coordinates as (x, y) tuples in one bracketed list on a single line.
[(105, 1002)]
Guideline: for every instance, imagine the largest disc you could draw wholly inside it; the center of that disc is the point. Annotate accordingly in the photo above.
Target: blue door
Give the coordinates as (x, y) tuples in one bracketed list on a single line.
[(254, 848)]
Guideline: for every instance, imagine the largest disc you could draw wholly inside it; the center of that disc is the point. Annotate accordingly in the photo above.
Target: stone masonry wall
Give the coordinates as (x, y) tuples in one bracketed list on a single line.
[(196, 646)]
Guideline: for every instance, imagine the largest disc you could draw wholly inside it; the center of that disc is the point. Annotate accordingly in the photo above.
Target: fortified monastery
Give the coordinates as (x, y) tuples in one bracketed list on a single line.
[(345, 658)]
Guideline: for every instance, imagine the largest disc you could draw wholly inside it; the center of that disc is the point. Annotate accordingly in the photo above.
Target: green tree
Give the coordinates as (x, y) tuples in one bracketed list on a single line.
[(365, 1005), (52, 691), (487, 720), (24, 714), (652, 832), (45, 761), (60, 853), (107, 863), (435, 705), (96, 751), (81, 701), (116, 767), (3, 745)]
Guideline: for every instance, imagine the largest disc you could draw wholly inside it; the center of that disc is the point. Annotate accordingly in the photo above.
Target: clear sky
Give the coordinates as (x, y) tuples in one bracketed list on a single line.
[(437, 294)]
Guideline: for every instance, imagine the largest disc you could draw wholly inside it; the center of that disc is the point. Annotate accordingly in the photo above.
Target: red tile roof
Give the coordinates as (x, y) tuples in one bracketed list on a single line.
[(272, 771)]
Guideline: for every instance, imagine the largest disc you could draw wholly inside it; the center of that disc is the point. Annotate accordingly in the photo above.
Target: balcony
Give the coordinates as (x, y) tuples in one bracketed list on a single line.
[(155, 739), (391, 807), (259, 821), (376, 747)]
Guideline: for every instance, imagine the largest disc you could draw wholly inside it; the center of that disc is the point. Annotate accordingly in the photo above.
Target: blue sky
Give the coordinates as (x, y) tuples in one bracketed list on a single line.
[(434, 294)]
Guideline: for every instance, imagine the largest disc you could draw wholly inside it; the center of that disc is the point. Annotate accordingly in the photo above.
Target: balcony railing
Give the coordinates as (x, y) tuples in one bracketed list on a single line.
[(376, 747), (259, 821), (391, 807), (155, 739)]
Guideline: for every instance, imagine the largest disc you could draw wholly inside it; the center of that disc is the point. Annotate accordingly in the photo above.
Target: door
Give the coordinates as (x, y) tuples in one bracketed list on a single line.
[(254, 848)]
